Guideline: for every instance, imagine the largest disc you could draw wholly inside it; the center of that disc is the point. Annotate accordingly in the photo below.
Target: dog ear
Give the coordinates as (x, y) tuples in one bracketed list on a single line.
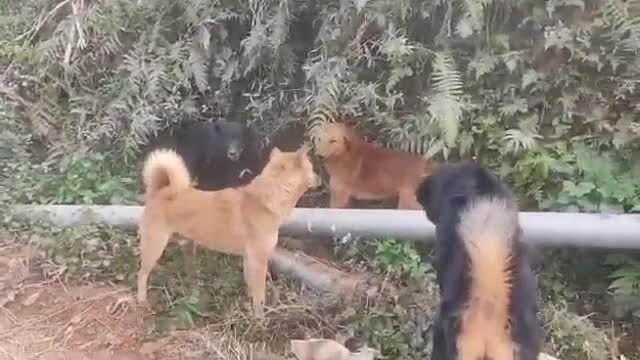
[(275, 151), (304, 150), (428, 197)]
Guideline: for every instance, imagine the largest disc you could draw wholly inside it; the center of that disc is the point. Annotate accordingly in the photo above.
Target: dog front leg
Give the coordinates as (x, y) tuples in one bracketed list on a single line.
[(255, 275), (339, 196)]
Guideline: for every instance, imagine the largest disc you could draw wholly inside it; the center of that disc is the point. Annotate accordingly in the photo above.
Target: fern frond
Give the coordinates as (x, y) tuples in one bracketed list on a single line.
[(143, 123), (397, 74), (623, 19), (446, 104), (279, 25), (198, 69), (324, 107), (473, 18), (483, 64), (524, 138)]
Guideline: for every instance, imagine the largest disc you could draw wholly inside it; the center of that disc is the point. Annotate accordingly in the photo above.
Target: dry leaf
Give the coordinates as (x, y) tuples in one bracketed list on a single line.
[(76, 319), (31, 299), (9, 297), (150, 347)]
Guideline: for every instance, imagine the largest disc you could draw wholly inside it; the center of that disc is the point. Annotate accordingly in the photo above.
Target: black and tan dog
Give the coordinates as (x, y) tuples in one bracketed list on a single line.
[(488, 305)]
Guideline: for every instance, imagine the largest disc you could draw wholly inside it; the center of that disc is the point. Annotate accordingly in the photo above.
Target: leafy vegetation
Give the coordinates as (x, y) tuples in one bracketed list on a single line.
[(529, 88), (400, 258), (545, 93)]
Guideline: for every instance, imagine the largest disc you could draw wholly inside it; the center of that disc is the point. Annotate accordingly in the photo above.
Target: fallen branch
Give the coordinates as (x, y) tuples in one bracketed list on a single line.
[(320, 276)]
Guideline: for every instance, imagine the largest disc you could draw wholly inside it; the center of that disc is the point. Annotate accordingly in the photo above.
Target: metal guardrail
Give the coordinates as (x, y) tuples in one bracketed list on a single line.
[(540, 228)]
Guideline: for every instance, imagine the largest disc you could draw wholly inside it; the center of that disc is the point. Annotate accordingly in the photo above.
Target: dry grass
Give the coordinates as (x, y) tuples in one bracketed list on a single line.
[(60, 312), (49, 313)]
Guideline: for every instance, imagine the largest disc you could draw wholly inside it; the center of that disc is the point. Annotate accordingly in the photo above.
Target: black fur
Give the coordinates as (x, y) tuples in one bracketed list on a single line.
[(217, 153), (443, 196)]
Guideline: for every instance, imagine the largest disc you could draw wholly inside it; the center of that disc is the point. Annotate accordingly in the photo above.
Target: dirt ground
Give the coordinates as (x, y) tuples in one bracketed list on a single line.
[(52, 313), (49, 312), (43, 317)]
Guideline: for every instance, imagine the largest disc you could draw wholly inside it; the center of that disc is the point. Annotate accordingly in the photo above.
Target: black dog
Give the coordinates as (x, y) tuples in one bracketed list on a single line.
[(220, 154), (488, 291)]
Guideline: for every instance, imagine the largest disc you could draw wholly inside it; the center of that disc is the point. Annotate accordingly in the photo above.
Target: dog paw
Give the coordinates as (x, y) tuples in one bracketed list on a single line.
[(120, 306), (258, 312), (141, 299)]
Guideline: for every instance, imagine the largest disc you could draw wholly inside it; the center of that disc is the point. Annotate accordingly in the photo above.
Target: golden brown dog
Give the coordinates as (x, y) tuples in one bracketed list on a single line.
[(365, 171), (240, 221)]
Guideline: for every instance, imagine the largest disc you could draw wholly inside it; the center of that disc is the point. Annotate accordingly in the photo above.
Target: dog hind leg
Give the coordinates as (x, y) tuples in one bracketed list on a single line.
[(500, 348), (153, 240), (439, 350), (407, 200), (338, 197), (471, 347)]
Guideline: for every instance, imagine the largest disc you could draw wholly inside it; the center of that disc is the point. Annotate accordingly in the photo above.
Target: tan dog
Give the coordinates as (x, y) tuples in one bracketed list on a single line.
[(240, 221), (365, 171)]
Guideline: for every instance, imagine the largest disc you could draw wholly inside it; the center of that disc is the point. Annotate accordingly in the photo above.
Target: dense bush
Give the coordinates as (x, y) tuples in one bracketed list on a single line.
[(524, 85)]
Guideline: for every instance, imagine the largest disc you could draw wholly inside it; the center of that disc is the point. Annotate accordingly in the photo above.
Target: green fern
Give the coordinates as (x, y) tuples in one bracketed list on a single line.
[(483, 64), (623, 19), (524, 138), (446, 104), (198, 69), (626, 278), (473, 18)]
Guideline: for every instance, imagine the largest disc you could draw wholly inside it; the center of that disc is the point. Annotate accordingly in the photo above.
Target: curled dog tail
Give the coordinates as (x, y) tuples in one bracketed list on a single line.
[(164, 168), (488, 227)]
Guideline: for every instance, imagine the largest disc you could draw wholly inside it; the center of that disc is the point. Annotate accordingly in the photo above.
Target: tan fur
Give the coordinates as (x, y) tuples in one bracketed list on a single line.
[(487, 228), (165, 168), (240, 221), (365, 171)]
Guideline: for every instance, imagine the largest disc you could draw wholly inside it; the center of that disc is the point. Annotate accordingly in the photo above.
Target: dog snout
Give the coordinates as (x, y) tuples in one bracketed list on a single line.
[(234, 152), (316, 181)]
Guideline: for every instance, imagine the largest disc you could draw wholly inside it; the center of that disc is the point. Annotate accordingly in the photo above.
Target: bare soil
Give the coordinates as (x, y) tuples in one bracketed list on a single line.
[(46, 317), (49, 313)]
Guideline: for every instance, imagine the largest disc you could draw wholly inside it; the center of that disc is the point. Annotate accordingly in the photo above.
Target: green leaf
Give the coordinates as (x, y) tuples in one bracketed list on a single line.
[(185, 315), (483, 64), (517, 106), (531, 77), (511, 60)]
